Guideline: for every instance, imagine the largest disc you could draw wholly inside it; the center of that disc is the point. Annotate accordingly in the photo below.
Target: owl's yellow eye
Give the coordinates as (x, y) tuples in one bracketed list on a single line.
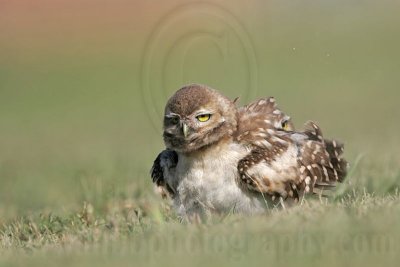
[(203, 117), (285, 125)]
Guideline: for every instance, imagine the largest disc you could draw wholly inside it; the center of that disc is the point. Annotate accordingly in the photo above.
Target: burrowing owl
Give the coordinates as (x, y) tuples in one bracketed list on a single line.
[(220, 158)]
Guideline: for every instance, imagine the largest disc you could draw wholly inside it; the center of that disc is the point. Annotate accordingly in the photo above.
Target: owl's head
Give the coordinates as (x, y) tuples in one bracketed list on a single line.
[(197, 116)]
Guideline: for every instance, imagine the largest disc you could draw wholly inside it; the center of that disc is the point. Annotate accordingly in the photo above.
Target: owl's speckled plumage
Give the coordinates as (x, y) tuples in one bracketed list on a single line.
[(221, 158)]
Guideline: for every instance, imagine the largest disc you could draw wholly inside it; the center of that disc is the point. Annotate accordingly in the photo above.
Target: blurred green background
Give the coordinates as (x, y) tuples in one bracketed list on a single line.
[(83, 84)]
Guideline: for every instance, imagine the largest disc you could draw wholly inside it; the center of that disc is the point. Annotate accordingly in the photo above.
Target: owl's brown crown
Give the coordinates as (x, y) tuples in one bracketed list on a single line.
[(192, 97)]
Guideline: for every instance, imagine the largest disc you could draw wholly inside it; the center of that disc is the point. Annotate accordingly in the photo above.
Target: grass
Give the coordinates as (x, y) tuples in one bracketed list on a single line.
[(78, 134), (358, 226)]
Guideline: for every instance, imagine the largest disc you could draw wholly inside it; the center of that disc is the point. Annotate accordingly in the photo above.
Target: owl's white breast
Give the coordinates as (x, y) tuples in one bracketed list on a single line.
[(206, 182)]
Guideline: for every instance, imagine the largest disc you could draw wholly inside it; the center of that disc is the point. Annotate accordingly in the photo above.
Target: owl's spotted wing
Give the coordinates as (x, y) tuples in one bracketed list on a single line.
[(261, 114), (162, 172), (287, 164)]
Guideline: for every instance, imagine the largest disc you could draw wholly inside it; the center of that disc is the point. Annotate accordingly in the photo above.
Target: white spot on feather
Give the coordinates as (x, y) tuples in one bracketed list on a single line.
[(262, 102), (302, 169)]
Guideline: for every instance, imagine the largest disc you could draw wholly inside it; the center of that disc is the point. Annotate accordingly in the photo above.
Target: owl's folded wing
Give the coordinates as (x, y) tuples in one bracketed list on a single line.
[(288, 164), (162, 172), (262, 113)]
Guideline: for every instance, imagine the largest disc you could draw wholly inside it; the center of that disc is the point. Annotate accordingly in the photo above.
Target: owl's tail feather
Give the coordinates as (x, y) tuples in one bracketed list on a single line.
[(335, 150), (321, 162)]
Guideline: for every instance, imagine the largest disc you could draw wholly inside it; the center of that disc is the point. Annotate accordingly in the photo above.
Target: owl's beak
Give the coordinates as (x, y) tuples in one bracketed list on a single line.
[(185, 130)]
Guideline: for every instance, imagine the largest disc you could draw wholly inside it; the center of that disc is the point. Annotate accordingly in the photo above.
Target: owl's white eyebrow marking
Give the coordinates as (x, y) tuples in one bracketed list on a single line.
[(171, 115), (203, 111)]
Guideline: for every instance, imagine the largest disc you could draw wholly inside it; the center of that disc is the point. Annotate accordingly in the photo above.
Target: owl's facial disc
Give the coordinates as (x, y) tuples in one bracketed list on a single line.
[(186, 126), (187, 133)]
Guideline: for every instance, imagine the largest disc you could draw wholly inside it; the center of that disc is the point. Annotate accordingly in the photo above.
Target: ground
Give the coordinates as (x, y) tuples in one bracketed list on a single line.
[(357, 226), (79, 129)]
